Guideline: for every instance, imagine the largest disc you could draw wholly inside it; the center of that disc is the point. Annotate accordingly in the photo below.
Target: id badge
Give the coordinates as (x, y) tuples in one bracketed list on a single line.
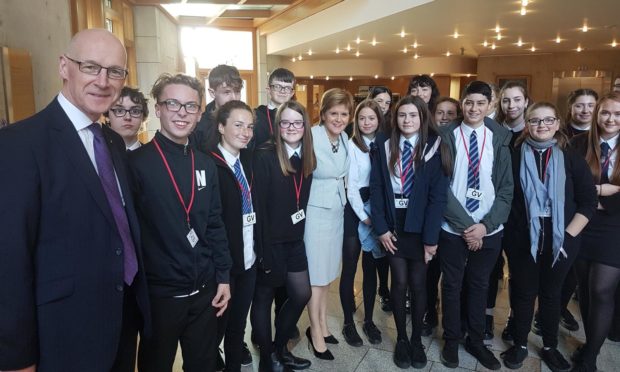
[(249, 219), (192, 238), (547, 211), (298, 216), (401, 203), (474, 194)]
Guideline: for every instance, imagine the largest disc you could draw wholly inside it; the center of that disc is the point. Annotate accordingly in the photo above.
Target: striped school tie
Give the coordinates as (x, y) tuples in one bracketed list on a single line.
[(407, 165), (246, 206), (473, 174)]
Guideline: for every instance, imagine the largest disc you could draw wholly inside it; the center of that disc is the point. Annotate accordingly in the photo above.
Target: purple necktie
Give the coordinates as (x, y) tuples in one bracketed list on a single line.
[(110, 186)]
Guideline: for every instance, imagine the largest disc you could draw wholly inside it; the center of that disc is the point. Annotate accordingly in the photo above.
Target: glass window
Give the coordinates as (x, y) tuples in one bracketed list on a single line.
[(211, 47)]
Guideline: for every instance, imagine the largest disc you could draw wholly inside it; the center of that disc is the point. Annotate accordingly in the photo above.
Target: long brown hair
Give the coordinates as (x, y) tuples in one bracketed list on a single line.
[(572, 97), (357, 136), (593, 152), (560, 136), (308, 159), (501, 115), (427, 126)]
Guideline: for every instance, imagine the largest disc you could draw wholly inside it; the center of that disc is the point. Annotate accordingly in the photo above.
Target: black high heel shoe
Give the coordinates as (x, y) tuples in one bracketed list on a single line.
[(325, 355)]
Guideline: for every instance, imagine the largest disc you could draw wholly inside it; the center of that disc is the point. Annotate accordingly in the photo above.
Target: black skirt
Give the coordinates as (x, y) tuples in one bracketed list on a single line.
[(410, 245), (599, 240), (289, 257)]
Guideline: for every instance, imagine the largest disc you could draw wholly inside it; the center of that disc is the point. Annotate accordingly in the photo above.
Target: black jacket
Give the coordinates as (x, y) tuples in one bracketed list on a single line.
[(264, 125), (203, 133), (231, 198), (172, 266)]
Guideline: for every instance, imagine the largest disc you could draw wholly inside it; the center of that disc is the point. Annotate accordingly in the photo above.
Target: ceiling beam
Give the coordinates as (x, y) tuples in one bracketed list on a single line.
[(223, 23), (246, 13), (294, 13)]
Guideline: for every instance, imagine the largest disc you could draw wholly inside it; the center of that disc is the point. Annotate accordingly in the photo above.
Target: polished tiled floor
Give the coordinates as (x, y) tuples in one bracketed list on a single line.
[(371, 358)]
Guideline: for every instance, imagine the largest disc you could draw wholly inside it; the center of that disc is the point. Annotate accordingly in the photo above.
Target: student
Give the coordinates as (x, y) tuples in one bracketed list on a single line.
[(325, 215), (581, 104), (234, 130), (513, 101), (447, 110), (425, 87), (359, 234), (598, 265), (280, 90), (225, 85), (127, 116), (554, 197), (186, 255), (283, 176), (478, 205), (408, 190)]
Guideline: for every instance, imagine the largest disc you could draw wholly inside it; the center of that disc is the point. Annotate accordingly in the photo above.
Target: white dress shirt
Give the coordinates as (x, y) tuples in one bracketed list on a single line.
[(612, 142), (134, 146), (485, 172), (358, 177), (248, 231), (395, 176), (291, 151), (517, 128)]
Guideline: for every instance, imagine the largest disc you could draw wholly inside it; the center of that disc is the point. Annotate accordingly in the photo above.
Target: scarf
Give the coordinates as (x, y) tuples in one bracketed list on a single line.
[(537, 194)]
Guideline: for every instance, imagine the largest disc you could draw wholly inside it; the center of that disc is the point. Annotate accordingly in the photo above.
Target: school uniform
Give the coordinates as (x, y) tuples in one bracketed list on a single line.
[(572, 130), (265, 124), (202, 135), (235, 182), (185, 251)]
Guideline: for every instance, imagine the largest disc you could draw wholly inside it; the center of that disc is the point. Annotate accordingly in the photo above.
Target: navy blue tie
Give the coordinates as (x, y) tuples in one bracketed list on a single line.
[(605, 162), (473, 174), (407, 166), (246, 206)]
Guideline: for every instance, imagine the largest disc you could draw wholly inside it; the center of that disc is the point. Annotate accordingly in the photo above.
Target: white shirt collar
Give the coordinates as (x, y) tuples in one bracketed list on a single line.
[(290, 151), (413, 140), (577, 127), (271, 106), (134, 146), (467, 130), (368, 141), (519, 128), (77, 117), (612, 142), (230, 158)]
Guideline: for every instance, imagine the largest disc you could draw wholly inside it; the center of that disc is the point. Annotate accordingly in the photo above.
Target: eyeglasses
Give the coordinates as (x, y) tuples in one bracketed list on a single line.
[(281, 88), (134, 112), (175, 106), (91, 68), (297, 124), (548, 121)]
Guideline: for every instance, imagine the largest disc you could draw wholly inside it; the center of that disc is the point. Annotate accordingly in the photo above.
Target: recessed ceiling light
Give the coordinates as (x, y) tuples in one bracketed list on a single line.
[(337, 50), (468, 75), (499, 36), (497, 29), (405, 50), (456, 35), (357, 41), (448, 54), (392, 77), (432, 74), (415, 44), (309, 52), (524, 2), (533, 49), (579, 48), (402, 33), (376, 76), (416, 56), (300, 57), (326, 77), (357, 54), (558, 40), (520, 42), (348, 47), (374, 41), (350, 78), (614, 44), (311, 76), (493, 46), (485, 44), (584, 28), (523, 11)]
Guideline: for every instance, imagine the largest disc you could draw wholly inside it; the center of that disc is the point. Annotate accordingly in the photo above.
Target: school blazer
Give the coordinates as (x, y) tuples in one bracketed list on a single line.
[(428, 198)]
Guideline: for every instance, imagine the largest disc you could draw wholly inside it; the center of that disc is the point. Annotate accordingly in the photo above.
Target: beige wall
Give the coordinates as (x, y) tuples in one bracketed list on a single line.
[(44, 30), (540, 67)]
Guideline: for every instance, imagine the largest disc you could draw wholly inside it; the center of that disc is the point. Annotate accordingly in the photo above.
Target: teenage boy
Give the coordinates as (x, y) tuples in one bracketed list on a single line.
[(478, 204), (127, 116), (187, 261), (225, 85), (280, 90)]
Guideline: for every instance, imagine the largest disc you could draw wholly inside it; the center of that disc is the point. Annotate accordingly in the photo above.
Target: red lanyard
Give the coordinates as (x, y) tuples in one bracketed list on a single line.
[(481, 151), (544, 171), (249, 191), (403, 172), (298, 189), (188, 208), (269, 119)]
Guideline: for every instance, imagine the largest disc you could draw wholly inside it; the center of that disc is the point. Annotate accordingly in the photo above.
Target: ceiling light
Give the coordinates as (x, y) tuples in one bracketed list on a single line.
[(294, 59), (524, 2), (468, 75), (402, 33), (416, 56), (392, 78), (350, 78), (415, 45), (337, 50), (533, 49), (326, 77), (523, 11), (585, 27), (311, 76), (520, 42), (493, 46), (432, 74), (499, 37), (309, 52), (448, 54), (374, 41), (357, 41), (558, 40), (405, 50), (300, 57), (348, 47), (456, 35), (357, 54), (579, 48), (485, 44), (497, 29), (614, 44), (376, 76)]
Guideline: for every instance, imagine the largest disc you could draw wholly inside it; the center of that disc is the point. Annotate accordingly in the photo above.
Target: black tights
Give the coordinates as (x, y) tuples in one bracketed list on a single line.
[(383, 269), (350, 254), (406, 272), (298, 289), (597, 289)]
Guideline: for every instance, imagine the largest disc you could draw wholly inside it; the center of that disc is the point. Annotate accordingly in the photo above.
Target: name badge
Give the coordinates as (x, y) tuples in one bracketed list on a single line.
[(192, 238), (249, 219), (298, 216), (474, 194), (401, 203), (547, 211)]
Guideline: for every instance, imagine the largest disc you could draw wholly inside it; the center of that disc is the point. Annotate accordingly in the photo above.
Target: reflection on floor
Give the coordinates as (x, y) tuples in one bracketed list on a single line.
[(372, 358)]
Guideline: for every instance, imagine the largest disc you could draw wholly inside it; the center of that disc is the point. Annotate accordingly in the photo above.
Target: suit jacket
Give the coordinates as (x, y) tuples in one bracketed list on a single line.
[(327, 179), (61, 297)]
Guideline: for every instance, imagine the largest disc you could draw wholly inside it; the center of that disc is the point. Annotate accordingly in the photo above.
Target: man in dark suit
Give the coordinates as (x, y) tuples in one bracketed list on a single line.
[(70, 266)]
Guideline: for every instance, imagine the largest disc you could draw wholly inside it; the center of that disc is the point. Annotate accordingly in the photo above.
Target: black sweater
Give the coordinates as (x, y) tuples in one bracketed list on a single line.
[(275, 200), (203, 133), (264, 125), (580, 197), (172, 266), (232, 204)]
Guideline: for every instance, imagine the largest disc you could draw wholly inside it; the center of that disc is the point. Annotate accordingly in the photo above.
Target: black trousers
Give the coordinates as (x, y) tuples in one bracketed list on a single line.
[(188, 320), (462, 268), (433, 275), (231, 325), (531, 279), (132, 323)]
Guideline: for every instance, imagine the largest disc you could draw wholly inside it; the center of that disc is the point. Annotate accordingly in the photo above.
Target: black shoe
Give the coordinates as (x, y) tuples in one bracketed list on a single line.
[(246, 356), (488, 327), (536, 326), (372, 332), (514, 357), (350, 335), (325, 355), (219, 364), (287, 358), (273, 365), (385, 303), (331, 340), (554, 360), (407, 306), (401, 354), (567, 320), (484, 355), (429, 323), (577, 355), (583, 367), (614, 336), (450, 354), (418, 356), (507, 332)]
